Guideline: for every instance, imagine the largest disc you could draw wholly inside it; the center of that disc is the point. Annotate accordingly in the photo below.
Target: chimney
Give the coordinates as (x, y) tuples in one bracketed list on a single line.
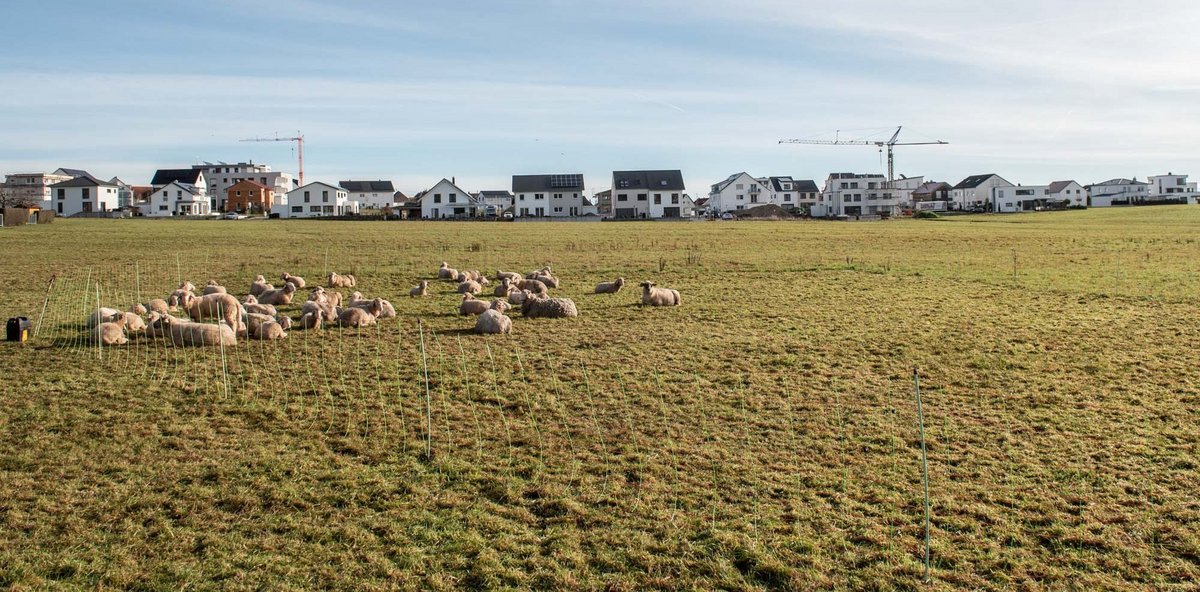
[(453, 181)]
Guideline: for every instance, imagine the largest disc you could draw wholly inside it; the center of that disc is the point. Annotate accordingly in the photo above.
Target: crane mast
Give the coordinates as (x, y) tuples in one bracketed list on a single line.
[(890, 144)]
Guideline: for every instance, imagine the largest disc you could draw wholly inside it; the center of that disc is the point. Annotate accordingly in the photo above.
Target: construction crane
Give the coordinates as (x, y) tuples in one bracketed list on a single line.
[(298, 139), (891, 143)]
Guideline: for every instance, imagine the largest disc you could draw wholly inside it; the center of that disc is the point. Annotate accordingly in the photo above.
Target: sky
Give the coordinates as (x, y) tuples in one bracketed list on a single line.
[(1035, 90)]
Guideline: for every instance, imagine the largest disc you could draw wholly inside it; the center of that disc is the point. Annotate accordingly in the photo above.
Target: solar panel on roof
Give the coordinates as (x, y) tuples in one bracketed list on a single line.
[(565, 181)]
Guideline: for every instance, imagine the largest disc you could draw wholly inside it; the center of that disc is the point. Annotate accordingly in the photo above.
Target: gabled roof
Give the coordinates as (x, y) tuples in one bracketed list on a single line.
[(84, 180), (547, 183), (251, 182), (318, 183), (719, 187), (367, 186), (72, 172), (1121, 182), (805, 186), (701, 202), (470, 198), (663, 180), (399, 197), (1058, 186), (495, 193), (974, 181), (931, 187), (166, 176)]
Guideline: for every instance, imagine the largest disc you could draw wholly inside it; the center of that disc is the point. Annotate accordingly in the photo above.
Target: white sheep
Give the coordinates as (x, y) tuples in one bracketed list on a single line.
[(269, 330), (386, 312), (294, 280), (112, 332), (548, 308), (257, 308), (181, 333), (213, 288), (260, 285), (470, 287), (610, 287), (471, 306), (102, 315), (445, 272), (158, 305), (336, 280), (543, 271), (493, 321), (518, 297), (504, 288), (324, 311), (278, 297), (422, 289), (215, 306), (535, 286), (549, 280), (360, 317), (139, 309), (310, 320), (511, 275), (652, 296)]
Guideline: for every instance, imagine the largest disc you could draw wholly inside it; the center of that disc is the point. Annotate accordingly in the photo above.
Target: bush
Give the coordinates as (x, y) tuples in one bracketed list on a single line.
[(926, 215)]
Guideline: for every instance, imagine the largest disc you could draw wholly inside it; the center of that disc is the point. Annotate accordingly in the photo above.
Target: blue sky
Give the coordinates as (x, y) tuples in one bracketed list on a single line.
[(413, 92)]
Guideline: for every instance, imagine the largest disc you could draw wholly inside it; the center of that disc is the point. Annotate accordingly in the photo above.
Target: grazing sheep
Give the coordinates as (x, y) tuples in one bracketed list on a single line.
[(511, 275), (213, 288), (158, 305), (260, 285), (112, 332), (535, 286), (215, 306), (445, 272), (548, 308), (310, 320), (659, 296), (336, 280), (470, 287), (493, 321), (278, 297), (294, 280), (610, 287), (422, 289), (181, 333), (355, 316), (505, 288), (518, 297)]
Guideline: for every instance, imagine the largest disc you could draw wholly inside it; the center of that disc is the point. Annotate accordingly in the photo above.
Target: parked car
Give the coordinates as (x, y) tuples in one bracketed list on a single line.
[(727, 216), (233, 216)]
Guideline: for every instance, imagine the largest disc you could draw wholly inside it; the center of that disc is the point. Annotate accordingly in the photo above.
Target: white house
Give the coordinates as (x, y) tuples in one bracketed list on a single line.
[(741, 191), (84, 193), (494, 201), (851, 194), (370, 194), (176, 199), (905, 186), (1171, 187), (1117, 192), (648, 194), (1068, 192), (218, 178), (316, 199), (555, 196), (1021, 198), (448, 200), (975, 192)]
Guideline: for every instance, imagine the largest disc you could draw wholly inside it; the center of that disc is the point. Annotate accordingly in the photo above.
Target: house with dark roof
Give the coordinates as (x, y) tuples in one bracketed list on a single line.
[(932, 191), (186, 176), (495, 201), (554, 195), (1117, 192), (83, 194), (176, 199), (742, 191), (71, 172), (370, 194), (446, 200), (1069, 192), (975, 192), (648, 194)]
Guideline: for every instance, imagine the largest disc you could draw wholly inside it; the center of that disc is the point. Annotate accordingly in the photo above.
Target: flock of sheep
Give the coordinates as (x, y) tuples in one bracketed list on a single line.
[(256, 316)]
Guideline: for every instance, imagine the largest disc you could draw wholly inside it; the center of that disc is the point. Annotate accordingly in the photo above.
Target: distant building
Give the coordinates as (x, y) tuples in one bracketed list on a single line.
[(1171, 187), (448, 200), (851, 194), (975, 192), (556, 196), (315, 200), (370, 194), (648, 194), (176, 199), (249, 197), (742, 191), (932, 196), (83, 194), (904, 187), (221, 176), (1069, 192), (495, 201), (603, 201), (1117, 192), (31, 188)]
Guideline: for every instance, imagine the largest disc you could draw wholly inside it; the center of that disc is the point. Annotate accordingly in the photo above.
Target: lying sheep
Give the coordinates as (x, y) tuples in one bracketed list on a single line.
[(422, 289), (511, 275), (535, 286), (253, 323), (548, 308), (549, 280), (215, 306), (518, 297), (470, 287), (493, 321), (158, 305), (310, 320), (324, 310), (294, 280), (278, 297), (181, 333), (260, 285), (610, 287), (387, 311), (543, 271), (213, 288), (336, 280), (250, 304), (180, 294), (445, 272), (505, 288), (138, 309), (102, 315), (471, 306), (472, 275), (355, 316), (652, 296), (269, 330), (112, 332)]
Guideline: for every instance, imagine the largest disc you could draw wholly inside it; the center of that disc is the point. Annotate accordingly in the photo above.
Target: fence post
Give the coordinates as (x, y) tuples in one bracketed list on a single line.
[(924, 463)]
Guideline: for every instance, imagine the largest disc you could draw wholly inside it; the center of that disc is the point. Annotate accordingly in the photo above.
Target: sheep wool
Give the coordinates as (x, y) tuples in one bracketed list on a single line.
[(112, 332), (469, 287), (158, 305), (445, 272), (336, 280), (518, 297), (294, 280), (511, 275), (610, 287), (278, 297), (549, 308), (213, 288), (493, 322), (534, 286), (422, 289), (652, 296), (259, 286), (215, 306), (182, 333)]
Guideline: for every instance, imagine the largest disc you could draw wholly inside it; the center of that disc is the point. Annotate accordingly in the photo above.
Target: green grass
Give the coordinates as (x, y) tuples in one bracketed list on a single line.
[(761, 437)]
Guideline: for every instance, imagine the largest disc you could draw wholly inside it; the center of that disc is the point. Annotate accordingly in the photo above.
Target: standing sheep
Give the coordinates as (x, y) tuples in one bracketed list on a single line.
[(493, 321), (294, 280), (548, 308), (260, 285), (652, 296), (278, 297), (610, 287), (337, 280), (422, 289)]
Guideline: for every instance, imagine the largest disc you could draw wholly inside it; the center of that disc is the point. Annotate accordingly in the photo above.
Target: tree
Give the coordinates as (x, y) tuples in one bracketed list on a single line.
[(9, 200)]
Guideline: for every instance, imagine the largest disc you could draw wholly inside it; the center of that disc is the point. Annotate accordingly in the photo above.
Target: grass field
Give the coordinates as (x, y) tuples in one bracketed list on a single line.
[(761, 436)]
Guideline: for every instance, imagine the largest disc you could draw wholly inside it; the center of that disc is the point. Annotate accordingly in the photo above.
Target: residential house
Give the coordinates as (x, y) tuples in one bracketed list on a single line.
[(124, 192), (221, 176), (1117, 192), (555, 196), (700, 206), (176, 199), (249, 197), (495, 201), (904, 187), (854, 195), (741, 191), (1020, 198), (30, 188), (83, 194), (975, 192), (448, 200), (1068, 194), (933, 196), (603, 201), (315, 200), (1171, 188), (648, 194), (371, 194), (783, 189)]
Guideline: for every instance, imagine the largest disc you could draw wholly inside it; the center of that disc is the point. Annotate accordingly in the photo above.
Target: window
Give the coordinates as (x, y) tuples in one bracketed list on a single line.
[(674, 198), (641, 197), (306, 197), (740, 196), (556, 209), (328, 210), (452, 197), (239, 194), (521, 197), (163, 208), (62, 194), (739, 186), (314, 209), (179, 194), (622, 197), (437, 198), (787, 197), (297, 209), (658, 199), (86, 193), (539, 196), (325, 196), (60, 208), (622, 183)]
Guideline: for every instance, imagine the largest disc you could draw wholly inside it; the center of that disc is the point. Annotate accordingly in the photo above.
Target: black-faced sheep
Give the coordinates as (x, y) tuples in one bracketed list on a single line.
[(422, 289), (260, 285), (610, 287), (469, 287), (548, 308), (336, 280), (294, 280), (652, 296), (493, 321), (278, 297), (213, 288)]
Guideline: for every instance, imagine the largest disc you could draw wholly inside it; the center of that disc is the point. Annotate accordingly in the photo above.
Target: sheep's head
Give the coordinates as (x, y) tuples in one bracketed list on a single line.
[(620, 281), (187, 286), (468, 296), (289, 288), (173, 301), (424, 284), (445, 265), (119, 319), (212, 282), (647, 285), (285, 276), (500, 305), (284, 321), (250, 299), (139, 309), (356, 296), (259, 278), (376, 307)]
